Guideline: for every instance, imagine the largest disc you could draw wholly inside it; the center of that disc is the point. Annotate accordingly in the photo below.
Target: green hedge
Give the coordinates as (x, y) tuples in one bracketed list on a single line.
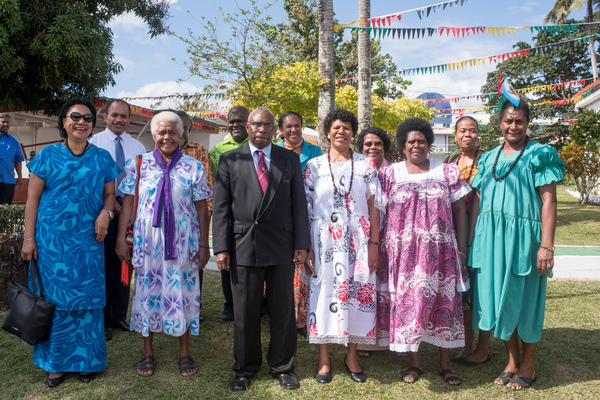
[(12, 219)]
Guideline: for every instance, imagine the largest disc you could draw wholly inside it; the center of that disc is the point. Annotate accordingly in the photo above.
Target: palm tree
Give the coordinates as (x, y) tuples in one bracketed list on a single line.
[(365, 104), (560, 11), (326, 66)]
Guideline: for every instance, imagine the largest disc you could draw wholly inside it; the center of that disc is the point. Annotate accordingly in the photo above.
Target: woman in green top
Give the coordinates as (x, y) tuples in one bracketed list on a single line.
[(513, 246)]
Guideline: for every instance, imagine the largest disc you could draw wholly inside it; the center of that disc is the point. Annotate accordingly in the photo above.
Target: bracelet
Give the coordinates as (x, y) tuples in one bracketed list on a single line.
[(373, 242), (205, 247), (548, 248), (462, 254), (24, 240), (469, 244)]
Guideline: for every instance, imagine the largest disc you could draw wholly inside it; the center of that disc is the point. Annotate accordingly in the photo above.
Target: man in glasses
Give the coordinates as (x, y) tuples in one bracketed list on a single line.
[(11, 158), (260, 233), (238, 136), (122, 147)]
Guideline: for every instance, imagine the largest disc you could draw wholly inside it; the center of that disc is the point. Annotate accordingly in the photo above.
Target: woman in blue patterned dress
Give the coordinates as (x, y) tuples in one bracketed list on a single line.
[(170, 241), (71, 190)]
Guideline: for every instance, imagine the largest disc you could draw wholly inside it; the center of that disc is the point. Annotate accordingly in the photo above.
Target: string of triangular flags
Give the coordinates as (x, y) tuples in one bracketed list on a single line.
[(179, 96), (441, 68), (421, 11), (532, 89), (448, 112), (210, 114), (419, 33)]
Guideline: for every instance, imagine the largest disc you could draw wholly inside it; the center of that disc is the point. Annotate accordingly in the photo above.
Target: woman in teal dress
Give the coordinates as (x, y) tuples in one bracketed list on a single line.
[(290, 126), (513, 246), (70, 200)]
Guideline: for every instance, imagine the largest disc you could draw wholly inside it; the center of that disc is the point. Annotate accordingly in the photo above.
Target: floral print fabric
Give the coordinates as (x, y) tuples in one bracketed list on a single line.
[(418, 296), (342, 297), (166, 296)]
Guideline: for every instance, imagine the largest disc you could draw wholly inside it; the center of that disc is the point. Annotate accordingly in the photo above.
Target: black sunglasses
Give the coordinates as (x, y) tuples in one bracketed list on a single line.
[(75, 116), (4, 115)]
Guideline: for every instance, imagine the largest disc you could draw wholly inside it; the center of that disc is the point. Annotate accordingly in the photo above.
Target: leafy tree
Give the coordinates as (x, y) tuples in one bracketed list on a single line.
[(295, 88), (387, 82), (560, 11), (299, 35), (289, 88), (242, 57), (53, 50), (551, 67), (582, 154)]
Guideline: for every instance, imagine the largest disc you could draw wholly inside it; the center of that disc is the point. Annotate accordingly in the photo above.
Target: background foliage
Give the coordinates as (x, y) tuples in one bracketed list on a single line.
[(51, 51)]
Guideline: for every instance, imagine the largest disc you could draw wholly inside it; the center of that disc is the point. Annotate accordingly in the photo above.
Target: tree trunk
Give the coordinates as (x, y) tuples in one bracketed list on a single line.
[(326, 67), (365, 105), (590, 18)]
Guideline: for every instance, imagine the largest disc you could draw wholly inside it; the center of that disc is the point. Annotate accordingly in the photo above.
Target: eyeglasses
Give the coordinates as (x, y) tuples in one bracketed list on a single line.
[(374, 144), (75, 116), (268, 126), (4, 115)]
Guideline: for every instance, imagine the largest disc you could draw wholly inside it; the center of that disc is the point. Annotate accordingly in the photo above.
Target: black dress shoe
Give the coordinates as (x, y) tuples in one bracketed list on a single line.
[(87, 378), (359, 377), (54, 382), (325, 377), (107, 334), (225, 316), (240, 384), (288, 381), (122, 325)]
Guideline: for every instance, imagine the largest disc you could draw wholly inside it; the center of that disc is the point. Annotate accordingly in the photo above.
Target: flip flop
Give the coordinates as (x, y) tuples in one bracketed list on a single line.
[(412, 372), (146, 364), (458, 359), (450, 376), (525, 383), (473, 363), (186, 363), (505, 377)]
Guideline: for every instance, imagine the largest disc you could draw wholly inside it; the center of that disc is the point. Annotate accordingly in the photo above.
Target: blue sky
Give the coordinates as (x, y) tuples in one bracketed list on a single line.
[(149, 69)]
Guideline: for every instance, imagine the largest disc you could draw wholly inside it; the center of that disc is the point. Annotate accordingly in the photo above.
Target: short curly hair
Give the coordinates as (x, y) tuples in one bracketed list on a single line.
[(410, 125), (342, 115), (383, 135), (63, 114)]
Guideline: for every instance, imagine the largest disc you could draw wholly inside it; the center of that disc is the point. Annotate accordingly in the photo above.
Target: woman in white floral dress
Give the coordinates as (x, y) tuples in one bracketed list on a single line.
[(343, 195)]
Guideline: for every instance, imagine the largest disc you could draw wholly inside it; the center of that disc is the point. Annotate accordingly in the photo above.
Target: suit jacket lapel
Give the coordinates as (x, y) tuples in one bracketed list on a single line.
[(275, 174)]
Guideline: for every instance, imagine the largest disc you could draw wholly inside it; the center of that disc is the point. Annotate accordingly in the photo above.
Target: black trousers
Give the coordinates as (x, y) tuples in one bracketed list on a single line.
[(7, 192), (226, 284), (117, 294), (247, 285)]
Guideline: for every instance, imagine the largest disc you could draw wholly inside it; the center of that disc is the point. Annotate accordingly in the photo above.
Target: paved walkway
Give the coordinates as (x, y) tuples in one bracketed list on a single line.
[(570, 262)]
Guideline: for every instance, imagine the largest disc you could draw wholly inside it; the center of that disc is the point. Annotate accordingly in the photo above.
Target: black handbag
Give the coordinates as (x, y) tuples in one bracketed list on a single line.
[(29, 316)]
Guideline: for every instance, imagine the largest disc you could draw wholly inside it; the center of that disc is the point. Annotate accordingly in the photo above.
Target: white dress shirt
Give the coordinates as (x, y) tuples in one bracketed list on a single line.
[(106, 140), (267, 154)]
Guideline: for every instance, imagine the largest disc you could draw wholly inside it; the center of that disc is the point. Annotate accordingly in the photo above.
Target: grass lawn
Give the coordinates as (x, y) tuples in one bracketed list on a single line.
[(568, 363), (576, 226)]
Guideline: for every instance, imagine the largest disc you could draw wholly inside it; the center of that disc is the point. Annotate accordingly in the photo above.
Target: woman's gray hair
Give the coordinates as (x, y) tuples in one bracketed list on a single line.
[(166, 116)]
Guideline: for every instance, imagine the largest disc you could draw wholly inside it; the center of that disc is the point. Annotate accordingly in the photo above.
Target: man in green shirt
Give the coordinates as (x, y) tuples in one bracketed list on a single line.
[(236, 124)]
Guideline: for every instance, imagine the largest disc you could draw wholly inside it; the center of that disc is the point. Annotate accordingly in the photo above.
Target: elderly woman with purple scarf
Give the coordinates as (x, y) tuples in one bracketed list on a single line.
[(170, 240)]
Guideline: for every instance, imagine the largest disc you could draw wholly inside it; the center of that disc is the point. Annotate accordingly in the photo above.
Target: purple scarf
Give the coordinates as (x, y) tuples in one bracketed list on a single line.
[(164, 201)]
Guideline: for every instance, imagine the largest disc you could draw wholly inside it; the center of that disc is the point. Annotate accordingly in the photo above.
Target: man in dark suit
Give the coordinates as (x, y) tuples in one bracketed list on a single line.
[(260, 230)]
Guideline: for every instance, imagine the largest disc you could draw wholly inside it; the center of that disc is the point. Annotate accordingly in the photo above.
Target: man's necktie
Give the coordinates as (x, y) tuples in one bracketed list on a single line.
[(262, 171), (120, 162)]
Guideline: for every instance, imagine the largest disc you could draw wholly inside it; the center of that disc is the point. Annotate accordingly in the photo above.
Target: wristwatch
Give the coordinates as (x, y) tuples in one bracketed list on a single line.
[(111, 214)]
